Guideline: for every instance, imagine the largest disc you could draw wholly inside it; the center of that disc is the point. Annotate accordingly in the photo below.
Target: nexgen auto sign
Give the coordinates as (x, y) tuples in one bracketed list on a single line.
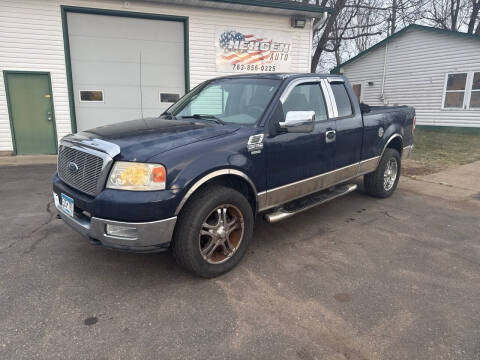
[(252, 50)]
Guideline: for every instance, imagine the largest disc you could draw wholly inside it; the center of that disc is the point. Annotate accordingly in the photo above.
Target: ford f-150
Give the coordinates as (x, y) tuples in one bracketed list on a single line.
[(194, 179)]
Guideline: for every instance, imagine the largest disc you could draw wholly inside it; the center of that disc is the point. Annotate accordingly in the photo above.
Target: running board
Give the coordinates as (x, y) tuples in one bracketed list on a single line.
[(298, 206)]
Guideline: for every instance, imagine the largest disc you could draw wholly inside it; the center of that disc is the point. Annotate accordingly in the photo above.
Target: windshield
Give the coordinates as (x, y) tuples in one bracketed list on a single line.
[(237, 101)]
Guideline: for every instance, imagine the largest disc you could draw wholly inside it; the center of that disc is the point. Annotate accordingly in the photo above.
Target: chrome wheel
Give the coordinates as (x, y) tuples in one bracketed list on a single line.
[(390, 174), (221, 234)]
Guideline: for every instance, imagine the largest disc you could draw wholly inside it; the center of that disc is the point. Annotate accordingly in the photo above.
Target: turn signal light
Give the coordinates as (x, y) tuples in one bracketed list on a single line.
[(159, 174)]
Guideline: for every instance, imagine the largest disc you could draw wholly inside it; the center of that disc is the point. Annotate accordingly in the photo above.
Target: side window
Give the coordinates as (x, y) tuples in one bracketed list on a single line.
[(475, 96), (342, 99), (455, 90), (307, 97)]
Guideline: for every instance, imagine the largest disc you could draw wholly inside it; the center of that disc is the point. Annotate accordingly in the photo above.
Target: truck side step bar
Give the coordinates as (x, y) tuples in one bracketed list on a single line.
[(303, 204)]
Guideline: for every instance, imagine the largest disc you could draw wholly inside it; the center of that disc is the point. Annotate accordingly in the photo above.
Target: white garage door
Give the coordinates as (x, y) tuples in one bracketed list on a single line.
[(123, 67)]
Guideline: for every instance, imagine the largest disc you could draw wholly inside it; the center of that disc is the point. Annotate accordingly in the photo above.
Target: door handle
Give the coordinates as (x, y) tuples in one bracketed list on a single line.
[(49, 116), (330, 136)]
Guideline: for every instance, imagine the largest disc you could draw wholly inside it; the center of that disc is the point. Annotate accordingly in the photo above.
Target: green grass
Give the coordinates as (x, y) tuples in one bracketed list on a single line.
[(438, 149)]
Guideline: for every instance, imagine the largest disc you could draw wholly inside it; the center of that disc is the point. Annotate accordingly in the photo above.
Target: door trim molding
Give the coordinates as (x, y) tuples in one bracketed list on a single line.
[(9, 105), (119, 13), (280, 195), (298, 189)]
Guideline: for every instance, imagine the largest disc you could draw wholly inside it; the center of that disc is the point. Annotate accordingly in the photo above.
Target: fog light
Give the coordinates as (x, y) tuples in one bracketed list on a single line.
[(122, 231)]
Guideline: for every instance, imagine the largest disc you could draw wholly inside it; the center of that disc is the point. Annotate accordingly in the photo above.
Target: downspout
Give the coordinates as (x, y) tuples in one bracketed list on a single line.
[(384, 79)]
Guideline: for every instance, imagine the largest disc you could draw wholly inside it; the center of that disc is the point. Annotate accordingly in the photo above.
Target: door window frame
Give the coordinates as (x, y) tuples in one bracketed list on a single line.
[(322, 92), (9, 105), (330, 107), (332, 97)]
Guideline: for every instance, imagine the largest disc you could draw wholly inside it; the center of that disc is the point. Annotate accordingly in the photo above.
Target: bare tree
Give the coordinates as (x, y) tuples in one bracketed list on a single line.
[(355, 25), (344, 24), (474, 16), (447, 14)]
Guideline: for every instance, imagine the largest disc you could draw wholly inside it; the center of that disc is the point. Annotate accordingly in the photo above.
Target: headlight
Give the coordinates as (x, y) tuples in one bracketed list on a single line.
[(137, 176)]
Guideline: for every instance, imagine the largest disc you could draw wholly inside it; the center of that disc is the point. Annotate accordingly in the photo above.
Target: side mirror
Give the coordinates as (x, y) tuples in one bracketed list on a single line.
[(298, 121)]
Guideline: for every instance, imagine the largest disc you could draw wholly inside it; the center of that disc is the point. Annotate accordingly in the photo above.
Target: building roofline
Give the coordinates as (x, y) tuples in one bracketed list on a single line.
[(275, 7), (336, 69), (287, 5)]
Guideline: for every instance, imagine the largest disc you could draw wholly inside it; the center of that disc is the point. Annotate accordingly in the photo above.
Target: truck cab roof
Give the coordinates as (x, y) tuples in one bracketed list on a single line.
[(279, 76)]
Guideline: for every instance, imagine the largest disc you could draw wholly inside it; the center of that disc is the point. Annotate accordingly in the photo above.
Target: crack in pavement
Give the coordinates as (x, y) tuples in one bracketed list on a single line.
[(437, 183), (31, 234), (40, 227)]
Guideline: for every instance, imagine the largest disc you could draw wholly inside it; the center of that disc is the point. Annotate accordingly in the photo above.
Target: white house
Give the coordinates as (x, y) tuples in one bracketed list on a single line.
[(70, 65), (436, 71)]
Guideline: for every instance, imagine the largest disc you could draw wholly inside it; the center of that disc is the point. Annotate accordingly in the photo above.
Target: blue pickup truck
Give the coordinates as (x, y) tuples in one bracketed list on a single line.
[(194, 179)]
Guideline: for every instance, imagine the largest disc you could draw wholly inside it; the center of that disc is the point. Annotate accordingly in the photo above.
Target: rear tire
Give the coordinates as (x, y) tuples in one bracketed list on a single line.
[(383, 182), (213, 231)]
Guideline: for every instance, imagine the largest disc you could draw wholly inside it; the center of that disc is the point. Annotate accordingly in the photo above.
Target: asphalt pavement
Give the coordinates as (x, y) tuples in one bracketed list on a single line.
[(356, 278)]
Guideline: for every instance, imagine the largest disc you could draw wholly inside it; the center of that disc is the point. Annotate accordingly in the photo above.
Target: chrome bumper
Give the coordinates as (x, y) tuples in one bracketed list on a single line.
[(407, 151), (151, 236)]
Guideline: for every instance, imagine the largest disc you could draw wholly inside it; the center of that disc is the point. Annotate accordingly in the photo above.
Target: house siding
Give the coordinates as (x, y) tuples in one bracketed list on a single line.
[(417, 62), (32, 40)]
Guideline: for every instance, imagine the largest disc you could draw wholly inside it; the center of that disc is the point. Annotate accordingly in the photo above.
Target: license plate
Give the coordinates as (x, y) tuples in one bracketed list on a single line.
[(67, 204)]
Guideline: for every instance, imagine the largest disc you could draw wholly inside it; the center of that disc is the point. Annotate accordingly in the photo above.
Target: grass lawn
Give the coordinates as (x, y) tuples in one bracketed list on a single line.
[(438, 149)]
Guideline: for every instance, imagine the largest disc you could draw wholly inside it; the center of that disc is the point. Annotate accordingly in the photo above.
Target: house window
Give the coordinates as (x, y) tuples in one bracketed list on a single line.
[(357, 89), (475, 95), (462, 91), (455, 91)]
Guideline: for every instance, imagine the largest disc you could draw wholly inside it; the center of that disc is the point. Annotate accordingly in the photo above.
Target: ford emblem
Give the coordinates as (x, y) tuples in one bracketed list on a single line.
[(72, 166)]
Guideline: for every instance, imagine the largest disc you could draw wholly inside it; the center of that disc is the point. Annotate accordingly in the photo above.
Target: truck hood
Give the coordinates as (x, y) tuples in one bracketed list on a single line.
[(140, 140)]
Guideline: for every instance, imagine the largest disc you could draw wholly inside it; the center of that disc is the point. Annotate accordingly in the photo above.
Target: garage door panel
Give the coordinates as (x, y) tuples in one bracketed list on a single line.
[(101, 49), (105, 55), (107, 73), (123, 27), (152, 99), (167, 78), (113, 97), (166, 54)]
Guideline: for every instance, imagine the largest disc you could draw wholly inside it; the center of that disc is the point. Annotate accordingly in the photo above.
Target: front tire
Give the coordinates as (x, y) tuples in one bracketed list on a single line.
[(213, 231), (383, 182)]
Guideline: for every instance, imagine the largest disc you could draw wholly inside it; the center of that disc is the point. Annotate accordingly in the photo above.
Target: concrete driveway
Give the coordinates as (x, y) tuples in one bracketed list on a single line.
[(358, 278)]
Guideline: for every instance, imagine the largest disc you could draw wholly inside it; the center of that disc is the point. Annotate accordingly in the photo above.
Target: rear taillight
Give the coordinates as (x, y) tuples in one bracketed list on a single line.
[(414, 125)]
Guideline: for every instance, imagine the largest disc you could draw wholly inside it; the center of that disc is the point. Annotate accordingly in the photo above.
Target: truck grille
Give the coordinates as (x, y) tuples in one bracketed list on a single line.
[(79, 169)]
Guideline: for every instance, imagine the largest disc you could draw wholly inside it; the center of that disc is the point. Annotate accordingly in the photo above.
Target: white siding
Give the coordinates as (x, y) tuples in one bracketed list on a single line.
[(417, 62), (32, 39)]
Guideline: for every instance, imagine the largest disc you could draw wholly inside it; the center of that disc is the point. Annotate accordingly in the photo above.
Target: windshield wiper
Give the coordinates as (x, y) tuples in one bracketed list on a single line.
[(204, 117)]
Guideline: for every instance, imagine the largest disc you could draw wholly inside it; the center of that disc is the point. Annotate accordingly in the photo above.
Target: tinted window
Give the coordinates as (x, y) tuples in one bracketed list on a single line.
[(343, 101), (306, 97)]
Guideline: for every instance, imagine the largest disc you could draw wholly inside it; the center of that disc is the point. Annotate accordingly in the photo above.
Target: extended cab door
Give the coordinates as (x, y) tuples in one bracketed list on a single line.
[(294, 157), (349, 126)]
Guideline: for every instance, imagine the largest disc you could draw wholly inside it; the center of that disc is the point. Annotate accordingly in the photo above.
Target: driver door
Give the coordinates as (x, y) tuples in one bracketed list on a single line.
[(294, 157)]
